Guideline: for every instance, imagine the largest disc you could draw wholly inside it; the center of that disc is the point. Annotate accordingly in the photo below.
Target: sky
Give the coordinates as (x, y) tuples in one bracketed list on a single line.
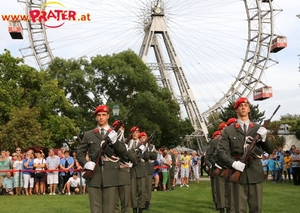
[(195, 32)]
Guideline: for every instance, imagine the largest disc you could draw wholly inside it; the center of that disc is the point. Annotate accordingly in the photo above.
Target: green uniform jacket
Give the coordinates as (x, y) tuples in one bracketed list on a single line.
[(211, 151), (232, 145), (149, 163), (106, 175)]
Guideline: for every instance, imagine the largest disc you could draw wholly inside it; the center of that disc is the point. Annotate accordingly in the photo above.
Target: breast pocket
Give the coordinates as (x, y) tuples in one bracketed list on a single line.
[(236, 143)]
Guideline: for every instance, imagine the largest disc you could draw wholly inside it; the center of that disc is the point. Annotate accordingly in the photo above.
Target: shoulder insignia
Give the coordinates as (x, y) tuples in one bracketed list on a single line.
[(251, 125), (237, 125), (96, 130)]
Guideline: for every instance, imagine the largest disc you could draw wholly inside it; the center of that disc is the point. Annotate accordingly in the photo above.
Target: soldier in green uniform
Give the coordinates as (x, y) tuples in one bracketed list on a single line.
[(209, 160), (124, 187), (219, 182), (234, 142), (102, 187), (138, 172), (149, 167)]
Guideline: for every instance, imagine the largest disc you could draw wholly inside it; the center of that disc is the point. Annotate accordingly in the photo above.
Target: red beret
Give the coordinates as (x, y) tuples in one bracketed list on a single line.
[(230, 121), (134, 128), (239, 101), (221, 126), (143, 134), (101, 108), (116, 123), (216, 133)]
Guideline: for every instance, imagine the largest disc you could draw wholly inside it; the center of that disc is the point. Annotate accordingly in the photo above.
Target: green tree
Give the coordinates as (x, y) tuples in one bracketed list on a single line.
[(255, 115), (25, 89)]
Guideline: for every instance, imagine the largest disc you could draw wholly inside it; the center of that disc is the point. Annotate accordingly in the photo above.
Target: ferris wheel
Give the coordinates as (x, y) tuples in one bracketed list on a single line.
[(224, 46)]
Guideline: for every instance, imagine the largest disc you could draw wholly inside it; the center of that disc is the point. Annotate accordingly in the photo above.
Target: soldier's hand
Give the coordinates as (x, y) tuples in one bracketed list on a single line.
[(238, 165), (89, 165), (262, 131), (113, 136)]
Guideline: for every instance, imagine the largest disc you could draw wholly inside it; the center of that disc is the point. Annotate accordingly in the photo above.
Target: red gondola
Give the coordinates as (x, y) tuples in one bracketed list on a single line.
[(15, 29), (262, 93), (278, 43)]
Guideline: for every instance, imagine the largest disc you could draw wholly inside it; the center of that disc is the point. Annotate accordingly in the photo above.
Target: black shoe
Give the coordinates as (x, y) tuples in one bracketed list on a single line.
[(135, 210), (147, 206), (141, 210)]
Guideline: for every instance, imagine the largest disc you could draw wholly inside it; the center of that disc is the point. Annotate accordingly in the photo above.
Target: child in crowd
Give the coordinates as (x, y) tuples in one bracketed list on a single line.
[(8, 184)]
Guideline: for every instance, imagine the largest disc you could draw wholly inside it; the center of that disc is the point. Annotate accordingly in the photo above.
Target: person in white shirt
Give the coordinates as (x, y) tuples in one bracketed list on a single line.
[(39, 164), (72, 184)]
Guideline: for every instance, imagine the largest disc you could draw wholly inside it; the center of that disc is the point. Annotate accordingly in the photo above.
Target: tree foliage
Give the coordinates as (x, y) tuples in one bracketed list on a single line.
[(48, 108)]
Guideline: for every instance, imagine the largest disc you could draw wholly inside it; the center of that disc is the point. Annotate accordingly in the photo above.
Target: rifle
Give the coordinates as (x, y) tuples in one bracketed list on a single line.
[(217, 171), (90, 173), (236, 176), (225, 173)]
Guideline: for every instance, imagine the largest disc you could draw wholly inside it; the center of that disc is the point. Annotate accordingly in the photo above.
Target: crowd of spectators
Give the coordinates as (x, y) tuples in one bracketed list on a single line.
[(33, 172), (282, 165)]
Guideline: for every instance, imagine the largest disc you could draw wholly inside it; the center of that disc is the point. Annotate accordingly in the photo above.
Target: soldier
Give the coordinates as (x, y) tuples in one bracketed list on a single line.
[(102, 186), (234, 142), (149, 167), (124, 187), (219, 182), (209, 161), (138, 172)]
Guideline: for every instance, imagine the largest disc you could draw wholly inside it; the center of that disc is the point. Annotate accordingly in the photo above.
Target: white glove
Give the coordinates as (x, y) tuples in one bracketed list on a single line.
[(142, 147), (89, 165), (263, 133), (127, 147), (216, 165), (113, 136), (238, 165), (153, 148)]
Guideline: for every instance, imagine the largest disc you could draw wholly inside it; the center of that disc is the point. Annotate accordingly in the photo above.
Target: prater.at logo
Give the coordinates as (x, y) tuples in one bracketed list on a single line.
[(50, 17)]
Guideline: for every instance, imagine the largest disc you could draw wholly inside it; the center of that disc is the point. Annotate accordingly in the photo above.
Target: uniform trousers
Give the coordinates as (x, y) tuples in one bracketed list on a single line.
[(250, 194), (229, 196), (220, 192), (124, 196), (213, 190), (138, 187), (148, 190), (102, 200)]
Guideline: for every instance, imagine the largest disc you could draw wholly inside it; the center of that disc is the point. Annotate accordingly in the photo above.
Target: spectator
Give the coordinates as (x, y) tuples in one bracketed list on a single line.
[(278, 169), (18, 177), (28, 173), (39, 179), (203, 165), (195, 165), (296, 166), (8, 184), (155, 175), (287, 162), (72, 185), (292, 149), (5, 164), (166, 161), (264, 162), (271, 166), (66, 164), (18, 150), (7, 153), (52, 164), (185, 165)]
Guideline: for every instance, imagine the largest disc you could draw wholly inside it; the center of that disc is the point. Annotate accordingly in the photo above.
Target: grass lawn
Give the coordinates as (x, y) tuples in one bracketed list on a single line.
[(278, 198)]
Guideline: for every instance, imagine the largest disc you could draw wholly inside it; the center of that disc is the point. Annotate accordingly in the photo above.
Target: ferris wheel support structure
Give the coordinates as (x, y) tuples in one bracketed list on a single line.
[(39, 47)]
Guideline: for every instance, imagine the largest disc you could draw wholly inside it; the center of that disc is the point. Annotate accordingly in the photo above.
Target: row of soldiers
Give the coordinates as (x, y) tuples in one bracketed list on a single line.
[(118, 172), (226, 155)]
